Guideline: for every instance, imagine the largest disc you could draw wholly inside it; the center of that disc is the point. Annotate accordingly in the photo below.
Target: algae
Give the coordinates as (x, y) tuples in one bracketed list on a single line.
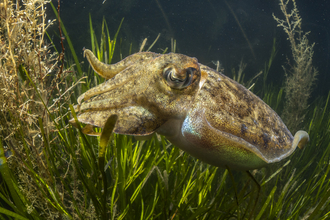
[(301, 74)]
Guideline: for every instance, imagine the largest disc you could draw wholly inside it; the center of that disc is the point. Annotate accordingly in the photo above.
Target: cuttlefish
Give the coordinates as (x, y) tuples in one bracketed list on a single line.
[(198, 109)]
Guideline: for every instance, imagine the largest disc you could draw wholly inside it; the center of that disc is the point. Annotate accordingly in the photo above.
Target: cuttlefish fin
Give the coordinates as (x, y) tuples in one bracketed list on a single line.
[(300, 139), (144, 138), (108, 71)]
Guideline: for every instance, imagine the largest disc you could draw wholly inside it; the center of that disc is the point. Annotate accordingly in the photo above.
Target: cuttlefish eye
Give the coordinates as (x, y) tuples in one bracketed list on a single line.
[(178, 80)]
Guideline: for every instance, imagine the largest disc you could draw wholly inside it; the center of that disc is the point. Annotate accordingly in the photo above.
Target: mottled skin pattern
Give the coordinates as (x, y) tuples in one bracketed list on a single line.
[(214, 118)]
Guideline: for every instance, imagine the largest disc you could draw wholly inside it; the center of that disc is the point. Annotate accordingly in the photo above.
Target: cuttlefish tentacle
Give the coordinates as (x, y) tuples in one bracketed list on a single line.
[(108, 71)]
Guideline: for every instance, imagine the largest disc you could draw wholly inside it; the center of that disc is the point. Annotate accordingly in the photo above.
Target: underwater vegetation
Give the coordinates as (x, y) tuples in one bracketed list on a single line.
[(302, 75), (49, 170)]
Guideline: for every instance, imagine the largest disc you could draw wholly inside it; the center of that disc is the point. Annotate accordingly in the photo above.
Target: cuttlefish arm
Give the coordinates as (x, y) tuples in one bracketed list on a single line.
[(115, 97), (108, 71)]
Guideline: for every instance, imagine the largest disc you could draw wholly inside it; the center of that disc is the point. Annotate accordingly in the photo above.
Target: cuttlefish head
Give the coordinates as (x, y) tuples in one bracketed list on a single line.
[(197, 108), (144, 90)]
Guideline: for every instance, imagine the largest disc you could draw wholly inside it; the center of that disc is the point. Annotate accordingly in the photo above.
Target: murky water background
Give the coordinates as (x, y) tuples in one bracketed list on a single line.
[(210, 30)]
